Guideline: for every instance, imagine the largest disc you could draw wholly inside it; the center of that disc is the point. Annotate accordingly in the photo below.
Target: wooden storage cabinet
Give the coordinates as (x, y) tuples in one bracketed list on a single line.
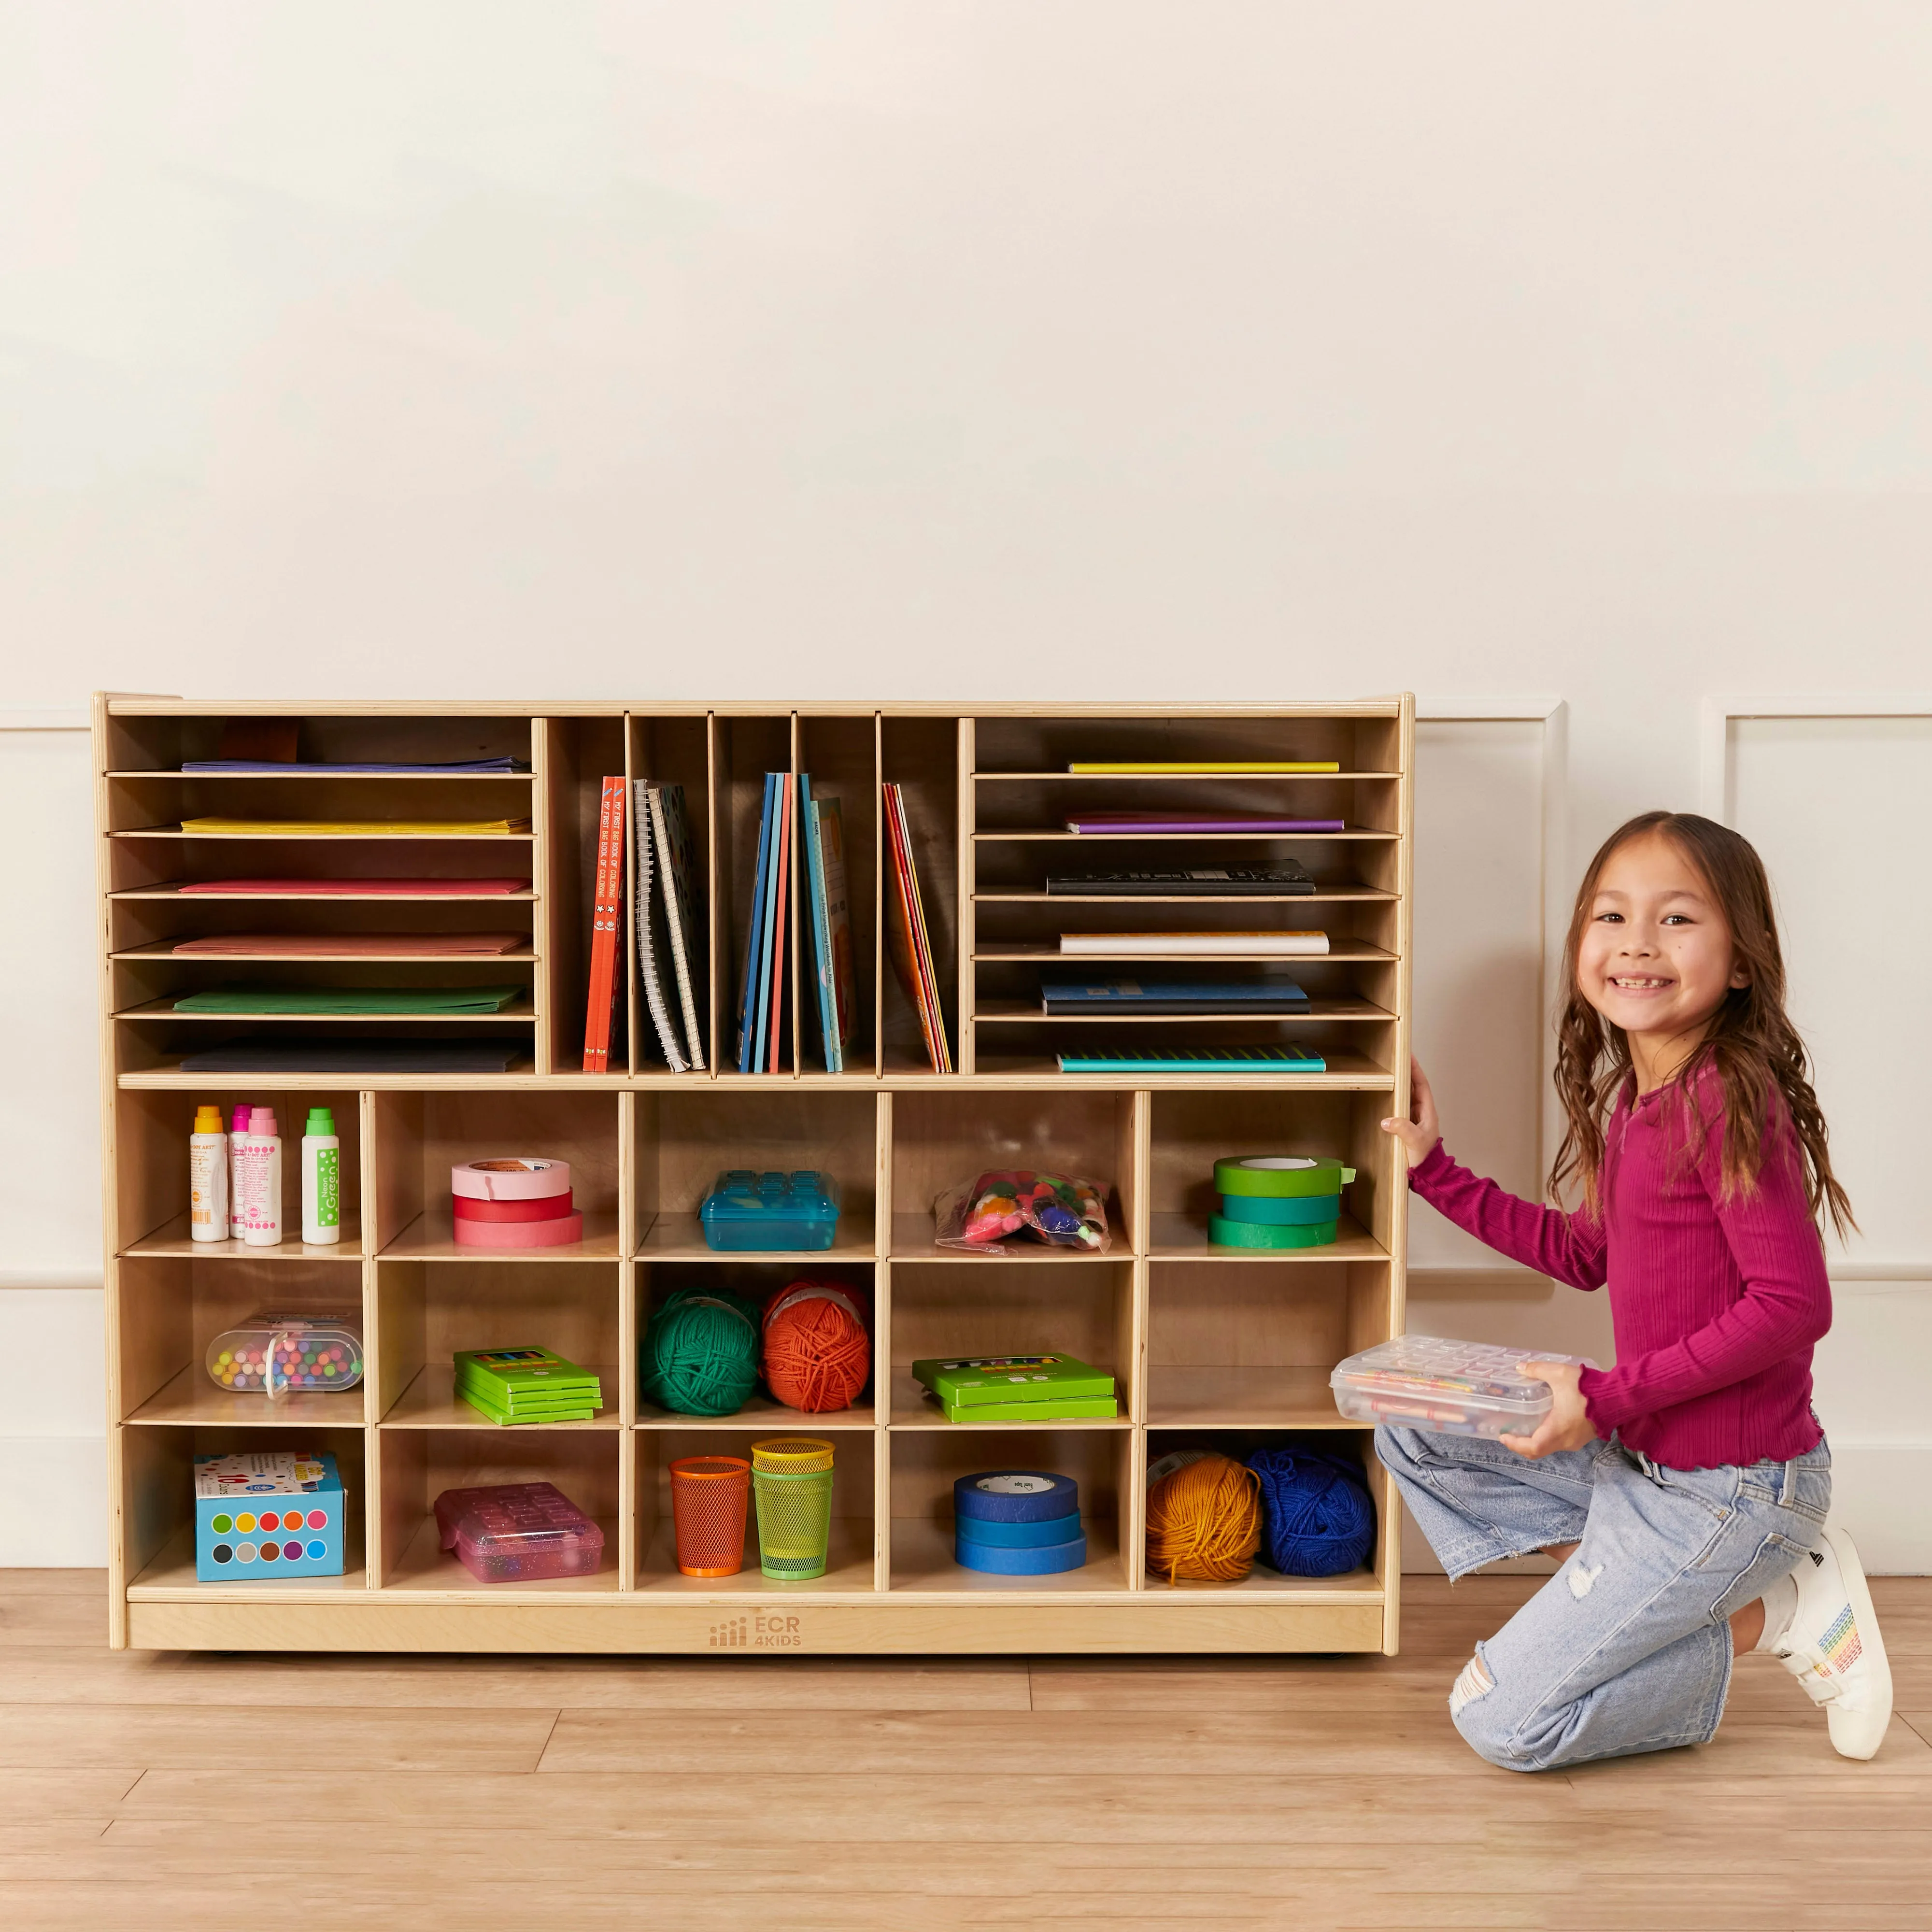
[(1207, 1345)]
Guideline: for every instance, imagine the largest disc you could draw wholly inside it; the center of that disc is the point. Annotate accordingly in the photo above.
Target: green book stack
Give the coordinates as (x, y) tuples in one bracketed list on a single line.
[(1048, 1387), (510, 1385)]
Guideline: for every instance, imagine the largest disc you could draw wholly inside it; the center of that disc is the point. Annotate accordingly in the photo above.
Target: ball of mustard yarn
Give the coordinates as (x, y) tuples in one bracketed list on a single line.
[(1203, 1521)]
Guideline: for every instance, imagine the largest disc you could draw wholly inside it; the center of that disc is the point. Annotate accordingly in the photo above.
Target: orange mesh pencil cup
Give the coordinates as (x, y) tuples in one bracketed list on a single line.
[(709, 1496)]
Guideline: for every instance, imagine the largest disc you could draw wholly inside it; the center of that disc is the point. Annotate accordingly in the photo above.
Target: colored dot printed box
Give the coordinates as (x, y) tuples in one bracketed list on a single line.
[(267, 1514)]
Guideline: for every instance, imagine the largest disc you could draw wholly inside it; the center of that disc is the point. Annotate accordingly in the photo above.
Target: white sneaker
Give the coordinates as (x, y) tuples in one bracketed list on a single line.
[(1833, 1647)]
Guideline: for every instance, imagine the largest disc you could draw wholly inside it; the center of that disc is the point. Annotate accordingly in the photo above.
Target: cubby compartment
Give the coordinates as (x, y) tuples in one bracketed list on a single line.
[(420, 1136), (1370, 1582), (757, 1282), (1027, 1308), (145, 859), (1008, 746), (1191, 1130), (579, 754), (671, 750), (841, 757), (927, 1462), (157, 1511), (426, 1313), (852, 1547), (173, 1307), (1252, 1347), (418, 1465), (942, 1140), (155, 927), (158, 744), (921, 756), (687, 1136), (150, 1170), (746, 749)]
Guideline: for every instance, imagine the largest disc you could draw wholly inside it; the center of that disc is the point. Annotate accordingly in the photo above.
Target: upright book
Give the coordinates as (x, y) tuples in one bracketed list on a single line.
[(606, 921), (911, 946), (748, 1000), (824, 827), (666, 928)]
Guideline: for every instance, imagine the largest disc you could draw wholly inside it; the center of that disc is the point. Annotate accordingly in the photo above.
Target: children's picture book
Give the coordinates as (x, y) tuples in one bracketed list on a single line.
[(748, 1001), (824, 828), (911, 945), (606, 924)]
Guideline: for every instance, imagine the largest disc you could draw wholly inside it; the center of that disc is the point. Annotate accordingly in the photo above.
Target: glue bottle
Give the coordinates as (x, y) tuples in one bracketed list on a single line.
[(262, 1209), (238, 1216), (321, 1178), (207, 1177)]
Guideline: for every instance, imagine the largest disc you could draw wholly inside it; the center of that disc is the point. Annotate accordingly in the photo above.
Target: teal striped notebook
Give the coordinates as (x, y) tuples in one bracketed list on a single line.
[(1196, 1060)]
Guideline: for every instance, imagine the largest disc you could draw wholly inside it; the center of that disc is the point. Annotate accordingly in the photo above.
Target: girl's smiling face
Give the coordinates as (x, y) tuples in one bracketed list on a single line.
[(1656, 957)]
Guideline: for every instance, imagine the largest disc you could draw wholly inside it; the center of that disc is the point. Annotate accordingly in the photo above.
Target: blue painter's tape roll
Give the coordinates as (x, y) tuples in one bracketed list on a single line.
[(1013, 1535), (1048, 1559), (1015, 1496)]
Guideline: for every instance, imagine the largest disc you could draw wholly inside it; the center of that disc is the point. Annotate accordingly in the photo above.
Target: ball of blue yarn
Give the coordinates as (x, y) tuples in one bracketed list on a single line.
[(1318, 1519)]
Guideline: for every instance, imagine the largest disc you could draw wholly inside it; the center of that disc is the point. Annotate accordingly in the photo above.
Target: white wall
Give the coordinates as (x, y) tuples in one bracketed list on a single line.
[(1241, 350)]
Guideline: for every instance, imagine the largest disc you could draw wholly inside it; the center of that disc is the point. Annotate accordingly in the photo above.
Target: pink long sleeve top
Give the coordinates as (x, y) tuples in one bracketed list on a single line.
[(1716, 1303)]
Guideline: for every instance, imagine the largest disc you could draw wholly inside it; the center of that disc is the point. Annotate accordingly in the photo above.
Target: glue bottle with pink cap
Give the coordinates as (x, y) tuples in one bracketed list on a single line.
[(261, 1174)]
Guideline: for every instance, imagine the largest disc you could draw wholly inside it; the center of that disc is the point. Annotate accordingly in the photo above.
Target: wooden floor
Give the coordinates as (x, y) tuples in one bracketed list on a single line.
[(153, 1792)]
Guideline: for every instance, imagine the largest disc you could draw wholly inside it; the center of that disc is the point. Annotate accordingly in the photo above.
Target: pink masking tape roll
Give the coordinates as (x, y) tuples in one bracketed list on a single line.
[(522, 1176), (558, 1233)]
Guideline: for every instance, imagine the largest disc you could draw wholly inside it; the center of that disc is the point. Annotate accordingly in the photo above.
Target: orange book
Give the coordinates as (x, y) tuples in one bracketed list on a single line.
[(911, 948), (607, 921)]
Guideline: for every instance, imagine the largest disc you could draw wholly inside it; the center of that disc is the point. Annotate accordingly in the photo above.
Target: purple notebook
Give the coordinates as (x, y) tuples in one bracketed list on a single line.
[(1118, 822)]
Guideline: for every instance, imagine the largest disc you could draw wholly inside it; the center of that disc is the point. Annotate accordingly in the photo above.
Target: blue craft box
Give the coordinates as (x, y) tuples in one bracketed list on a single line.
[(771, 1213), (267, 1514)]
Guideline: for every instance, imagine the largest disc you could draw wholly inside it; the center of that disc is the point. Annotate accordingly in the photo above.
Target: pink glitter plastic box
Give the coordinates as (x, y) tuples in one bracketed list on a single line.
[(518, 1533)]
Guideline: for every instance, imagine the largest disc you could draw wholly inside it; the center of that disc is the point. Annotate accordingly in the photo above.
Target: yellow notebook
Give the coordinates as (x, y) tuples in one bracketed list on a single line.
[(351, 828)]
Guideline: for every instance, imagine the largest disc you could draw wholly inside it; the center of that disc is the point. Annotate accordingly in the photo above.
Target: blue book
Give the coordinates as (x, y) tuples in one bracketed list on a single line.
[(821, 925), (777, 785), (1196, 1060), (1206, 997), (748, 1004)]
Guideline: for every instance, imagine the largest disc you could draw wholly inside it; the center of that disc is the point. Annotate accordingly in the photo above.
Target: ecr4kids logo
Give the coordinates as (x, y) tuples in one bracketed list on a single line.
[(758, 1632)]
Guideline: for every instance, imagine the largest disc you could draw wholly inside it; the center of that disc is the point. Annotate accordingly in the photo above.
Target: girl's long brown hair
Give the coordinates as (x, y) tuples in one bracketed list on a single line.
[(1751, 1044)]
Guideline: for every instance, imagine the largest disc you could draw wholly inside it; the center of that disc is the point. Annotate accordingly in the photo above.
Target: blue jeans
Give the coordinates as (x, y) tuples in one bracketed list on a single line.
[(1627, 1648)]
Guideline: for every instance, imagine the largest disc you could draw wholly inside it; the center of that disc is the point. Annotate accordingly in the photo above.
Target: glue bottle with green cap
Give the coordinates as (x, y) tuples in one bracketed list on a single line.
[(321, 1179)]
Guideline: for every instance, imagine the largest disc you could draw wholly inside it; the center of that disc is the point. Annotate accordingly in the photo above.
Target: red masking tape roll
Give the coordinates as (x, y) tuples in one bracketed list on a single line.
[(553, 1209), (558, 1233)]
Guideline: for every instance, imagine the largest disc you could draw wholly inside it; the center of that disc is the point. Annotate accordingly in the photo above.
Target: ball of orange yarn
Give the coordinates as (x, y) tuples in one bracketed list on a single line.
[(817, 1355), (1204, 1517)]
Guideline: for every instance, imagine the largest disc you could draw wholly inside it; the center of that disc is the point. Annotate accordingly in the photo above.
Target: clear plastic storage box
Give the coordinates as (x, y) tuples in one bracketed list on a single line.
[(274, 1355), (518, 1533), (748, 1213), (1455, 1388)]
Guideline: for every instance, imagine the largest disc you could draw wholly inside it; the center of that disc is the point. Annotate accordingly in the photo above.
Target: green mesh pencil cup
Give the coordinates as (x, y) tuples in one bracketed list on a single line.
[(791, 1482)]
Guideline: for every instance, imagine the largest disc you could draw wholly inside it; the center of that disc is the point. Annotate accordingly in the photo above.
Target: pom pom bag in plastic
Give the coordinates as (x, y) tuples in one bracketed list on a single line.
[(1058, 1210)]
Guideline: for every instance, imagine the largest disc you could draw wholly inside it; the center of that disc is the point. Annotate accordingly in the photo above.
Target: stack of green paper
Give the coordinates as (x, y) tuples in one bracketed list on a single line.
[(251, 999), (511, 1385), (1051, 1386)]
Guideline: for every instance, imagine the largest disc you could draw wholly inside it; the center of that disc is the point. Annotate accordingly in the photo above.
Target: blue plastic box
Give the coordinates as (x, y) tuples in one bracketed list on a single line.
[(266, 1513), (792, 1214)]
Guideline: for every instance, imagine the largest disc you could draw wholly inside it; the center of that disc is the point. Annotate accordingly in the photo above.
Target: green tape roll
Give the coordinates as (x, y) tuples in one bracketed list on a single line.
[(1225, 1234), (1279, 1176), (1288, 1210)]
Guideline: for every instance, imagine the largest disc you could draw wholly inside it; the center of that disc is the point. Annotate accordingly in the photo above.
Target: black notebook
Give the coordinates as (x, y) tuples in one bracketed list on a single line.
[(1200, 882)]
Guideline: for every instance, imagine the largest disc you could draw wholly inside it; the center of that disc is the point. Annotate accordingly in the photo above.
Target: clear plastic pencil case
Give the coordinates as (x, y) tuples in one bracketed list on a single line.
[(274, 1355), (518, 1533), (752, 1214), (1455, 1388)]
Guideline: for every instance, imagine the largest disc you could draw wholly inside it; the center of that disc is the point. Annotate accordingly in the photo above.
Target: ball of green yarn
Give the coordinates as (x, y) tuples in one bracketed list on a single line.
[(700, 1352)]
